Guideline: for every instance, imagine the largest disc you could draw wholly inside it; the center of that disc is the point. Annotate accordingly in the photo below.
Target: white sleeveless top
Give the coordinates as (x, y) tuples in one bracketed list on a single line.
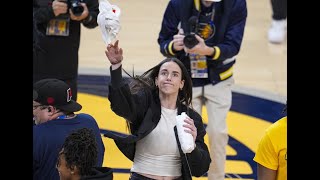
[(158, 153)]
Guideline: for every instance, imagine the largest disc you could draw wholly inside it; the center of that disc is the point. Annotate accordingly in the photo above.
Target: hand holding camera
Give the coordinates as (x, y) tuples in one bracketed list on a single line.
[(190, 40), (199, 48), (77, 9), (178, 44), (59, 7)]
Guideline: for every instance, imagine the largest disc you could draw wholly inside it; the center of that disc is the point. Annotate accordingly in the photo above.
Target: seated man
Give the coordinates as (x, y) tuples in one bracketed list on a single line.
[(54, 117)]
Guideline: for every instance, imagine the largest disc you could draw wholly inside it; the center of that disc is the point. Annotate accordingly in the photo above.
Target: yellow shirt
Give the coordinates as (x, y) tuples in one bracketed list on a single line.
[(272, 149)]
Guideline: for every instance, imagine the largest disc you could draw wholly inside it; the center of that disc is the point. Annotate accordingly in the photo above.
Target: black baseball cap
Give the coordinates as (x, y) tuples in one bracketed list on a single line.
[(56, 93), (35, 94)]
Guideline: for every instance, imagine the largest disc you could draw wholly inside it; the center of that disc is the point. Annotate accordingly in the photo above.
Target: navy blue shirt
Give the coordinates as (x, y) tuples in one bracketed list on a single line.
[(48, 139)]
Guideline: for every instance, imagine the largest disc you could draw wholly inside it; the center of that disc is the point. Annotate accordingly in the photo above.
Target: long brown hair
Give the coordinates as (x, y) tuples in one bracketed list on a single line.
[(147, 80)]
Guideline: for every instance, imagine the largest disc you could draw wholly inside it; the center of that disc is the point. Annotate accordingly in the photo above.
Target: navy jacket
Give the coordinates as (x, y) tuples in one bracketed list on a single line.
[(143, 111), (229, 19)]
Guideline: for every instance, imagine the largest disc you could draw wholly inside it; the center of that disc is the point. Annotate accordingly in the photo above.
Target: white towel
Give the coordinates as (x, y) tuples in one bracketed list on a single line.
[(108, 21), (186, 139)]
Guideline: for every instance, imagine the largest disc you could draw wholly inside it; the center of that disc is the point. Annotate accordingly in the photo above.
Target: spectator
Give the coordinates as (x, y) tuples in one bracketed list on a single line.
[(78, 157), (271, 155), (56, 38), (54, 116)]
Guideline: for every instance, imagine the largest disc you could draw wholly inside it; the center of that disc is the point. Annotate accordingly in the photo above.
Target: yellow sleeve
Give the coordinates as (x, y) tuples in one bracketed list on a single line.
[(266, 154)]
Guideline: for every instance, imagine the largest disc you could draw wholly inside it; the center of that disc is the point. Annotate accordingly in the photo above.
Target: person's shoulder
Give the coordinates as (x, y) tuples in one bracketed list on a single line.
[(277, 128), (282, 120), (194, 115), (41, 127), (177, 3), (85, 116), (105, 173), (279, 123), (235, 4)]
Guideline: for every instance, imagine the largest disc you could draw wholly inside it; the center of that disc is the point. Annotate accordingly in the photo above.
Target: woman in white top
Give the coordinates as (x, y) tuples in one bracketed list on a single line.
[(150, 104)]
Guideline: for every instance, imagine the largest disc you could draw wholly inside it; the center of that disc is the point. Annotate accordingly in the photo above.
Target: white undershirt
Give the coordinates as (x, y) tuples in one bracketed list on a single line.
[(158, 153)]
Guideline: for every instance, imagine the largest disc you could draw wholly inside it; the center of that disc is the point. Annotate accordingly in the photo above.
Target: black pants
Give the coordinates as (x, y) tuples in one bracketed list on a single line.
[(279, 9), (136, 176)]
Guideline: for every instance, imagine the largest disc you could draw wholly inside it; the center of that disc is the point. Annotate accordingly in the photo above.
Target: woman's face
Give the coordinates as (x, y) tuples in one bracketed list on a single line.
[(65, 173), (169, 78)]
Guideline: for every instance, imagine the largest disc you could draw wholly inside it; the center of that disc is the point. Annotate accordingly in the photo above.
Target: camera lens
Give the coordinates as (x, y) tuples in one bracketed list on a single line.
[(76, 8), (190, 41)]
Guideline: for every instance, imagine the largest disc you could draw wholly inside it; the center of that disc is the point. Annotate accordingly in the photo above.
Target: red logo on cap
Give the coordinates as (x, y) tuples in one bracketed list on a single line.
[(69, 95), (50, 100)]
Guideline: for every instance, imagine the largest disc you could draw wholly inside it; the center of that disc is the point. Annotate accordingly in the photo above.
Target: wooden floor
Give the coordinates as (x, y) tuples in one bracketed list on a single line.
[(261, 67)]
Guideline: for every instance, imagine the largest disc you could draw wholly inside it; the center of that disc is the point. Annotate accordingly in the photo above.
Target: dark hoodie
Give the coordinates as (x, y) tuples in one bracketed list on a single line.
[(99, 173)]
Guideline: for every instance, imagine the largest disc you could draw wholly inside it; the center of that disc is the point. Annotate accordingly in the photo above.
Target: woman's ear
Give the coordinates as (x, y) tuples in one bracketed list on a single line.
[(181, 84), (74, 170), (156, 82)]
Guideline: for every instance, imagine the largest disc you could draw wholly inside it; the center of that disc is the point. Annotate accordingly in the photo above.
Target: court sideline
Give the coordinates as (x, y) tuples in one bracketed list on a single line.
[(260, 66)]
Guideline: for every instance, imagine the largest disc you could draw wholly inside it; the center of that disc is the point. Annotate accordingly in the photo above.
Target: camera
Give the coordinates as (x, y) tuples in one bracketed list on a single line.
[(190, 39), (76, 7)]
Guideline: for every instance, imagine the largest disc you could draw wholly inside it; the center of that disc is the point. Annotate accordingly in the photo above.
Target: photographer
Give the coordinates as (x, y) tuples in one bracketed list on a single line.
[(206, 35), (56, 37)]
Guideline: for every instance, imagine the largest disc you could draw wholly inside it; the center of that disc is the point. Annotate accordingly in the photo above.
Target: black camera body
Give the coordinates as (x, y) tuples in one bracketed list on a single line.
[(190, 39), (75, 7)]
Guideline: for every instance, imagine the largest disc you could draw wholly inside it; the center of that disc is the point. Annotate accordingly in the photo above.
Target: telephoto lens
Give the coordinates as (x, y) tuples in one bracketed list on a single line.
[(76, 7), (190, 41)]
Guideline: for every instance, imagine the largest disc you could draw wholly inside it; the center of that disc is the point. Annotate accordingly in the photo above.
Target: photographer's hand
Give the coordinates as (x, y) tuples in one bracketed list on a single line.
[(201, 48), (84, 14), (178, 40), (114, 54), (59, 7)]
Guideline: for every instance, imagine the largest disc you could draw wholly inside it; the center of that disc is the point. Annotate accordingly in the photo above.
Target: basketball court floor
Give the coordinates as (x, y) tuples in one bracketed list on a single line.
[(259, 94)]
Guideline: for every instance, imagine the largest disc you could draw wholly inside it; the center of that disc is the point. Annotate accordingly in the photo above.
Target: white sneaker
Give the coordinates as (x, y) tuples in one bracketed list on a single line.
[(278, 31)]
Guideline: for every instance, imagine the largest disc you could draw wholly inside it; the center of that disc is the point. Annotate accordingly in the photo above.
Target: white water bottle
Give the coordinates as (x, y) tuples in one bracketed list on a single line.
[(186, 139)]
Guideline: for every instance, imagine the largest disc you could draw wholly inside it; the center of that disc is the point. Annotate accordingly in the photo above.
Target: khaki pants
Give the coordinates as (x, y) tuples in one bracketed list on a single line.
[(217, 99)]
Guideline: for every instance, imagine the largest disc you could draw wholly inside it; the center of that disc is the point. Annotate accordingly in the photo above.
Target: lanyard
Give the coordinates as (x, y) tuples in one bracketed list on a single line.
[(62, 117)]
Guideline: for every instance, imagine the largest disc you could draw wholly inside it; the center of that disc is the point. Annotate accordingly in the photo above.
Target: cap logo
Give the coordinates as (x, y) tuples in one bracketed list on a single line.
[(69, 94), (50, 100)]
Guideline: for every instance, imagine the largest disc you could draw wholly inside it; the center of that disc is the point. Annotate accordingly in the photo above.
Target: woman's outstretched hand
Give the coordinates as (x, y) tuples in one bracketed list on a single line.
[(114, 53)]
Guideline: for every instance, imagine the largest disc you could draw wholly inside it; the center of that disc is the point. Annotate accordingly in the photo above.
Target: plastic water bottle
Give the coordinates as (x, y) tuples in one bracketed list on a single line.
[(186, 139)]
